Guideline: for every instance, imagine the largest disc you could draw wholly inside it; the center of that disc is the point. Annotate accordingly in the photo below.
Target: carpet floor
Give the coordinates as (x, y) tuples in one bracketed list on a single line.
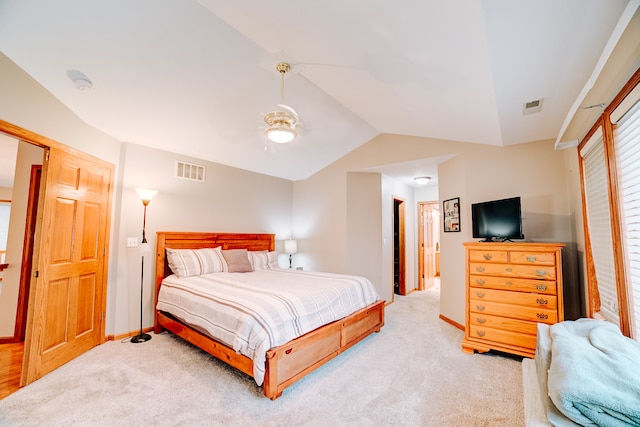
[(412, 373)]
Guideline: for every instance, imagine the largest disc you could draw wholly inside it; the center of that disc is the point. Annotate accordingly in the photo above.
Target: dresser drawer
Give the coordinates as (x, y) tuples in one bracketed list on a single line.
[(497, 322), (488, 256), (516, 298), (533, 258), (510, 270), (502, 336), (535, 314), (513, 284)]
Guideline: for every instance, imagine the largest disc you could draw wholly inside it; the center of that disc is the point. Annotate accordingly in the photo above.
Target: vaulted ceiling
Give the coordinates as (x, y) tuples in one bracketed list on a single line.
[(197, 76)]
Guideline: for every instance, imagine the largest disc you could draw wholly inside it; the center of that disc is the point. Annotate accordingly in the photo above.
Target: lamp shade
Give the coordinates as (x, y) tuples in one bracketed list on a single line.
[(290, 246), (146, 195)]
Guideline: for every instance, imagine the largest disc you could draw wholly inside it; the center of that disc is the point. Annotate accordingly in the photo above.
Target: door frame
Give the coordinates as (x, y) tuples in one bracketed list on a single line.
[(27, 253)]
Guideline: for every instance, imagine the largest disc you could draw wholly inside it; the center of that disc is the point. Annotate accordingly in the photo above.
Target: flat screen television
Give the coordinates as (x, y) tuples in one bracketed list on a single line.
[(497, 220)]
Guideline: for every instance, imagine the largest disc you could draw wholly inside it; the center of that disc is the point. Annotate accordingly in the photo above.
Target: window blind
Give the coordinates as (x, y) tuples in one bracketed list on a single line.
[(627, 147), (599, 223)]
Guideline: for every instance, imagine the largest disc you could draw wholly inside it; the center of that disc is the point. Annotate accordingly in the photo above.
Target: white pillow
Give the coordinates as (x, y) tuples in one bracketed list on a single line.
[(273, 260), (259, 260), (194, 262)]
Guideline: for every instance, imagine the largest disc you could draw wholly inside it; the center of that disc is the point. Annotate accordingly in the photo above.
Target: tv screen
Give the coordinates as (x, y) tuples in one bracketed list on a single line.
[(497, 220)]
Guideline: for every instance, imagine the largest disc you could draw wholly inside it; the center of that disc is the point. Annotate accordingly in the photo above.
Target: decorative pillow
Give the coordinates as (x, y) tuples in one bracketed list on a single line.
[(194, 262), (237, 261), (273, 260), (259, 260)]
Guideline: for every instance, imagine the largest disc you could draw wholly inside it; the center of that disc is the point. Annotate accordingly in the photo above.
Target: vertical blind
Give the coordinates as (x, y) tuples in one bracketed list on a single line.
[(627, 147), (599, 224)]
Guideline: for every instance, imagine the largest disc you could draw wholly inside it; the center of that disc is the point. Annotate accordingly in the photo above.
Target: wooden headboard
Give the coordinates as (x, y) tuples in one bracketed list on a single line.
[(195, 240)]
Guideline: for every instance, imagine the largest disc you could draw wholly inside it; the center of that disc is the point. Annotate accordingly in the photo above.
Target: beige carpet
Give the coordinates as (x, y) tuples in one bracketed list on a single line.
[(412, 373)]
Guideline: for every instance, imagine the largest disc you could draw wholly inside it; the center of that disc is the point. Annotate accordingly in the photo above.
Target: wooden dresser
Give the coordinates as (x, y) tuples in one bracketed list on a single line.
[(510, 288)]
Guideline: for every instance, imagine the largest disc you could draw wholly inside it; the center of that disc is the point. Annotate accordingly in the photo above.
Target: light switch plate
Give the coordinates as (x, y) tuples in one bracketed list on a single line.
[(132, 242)]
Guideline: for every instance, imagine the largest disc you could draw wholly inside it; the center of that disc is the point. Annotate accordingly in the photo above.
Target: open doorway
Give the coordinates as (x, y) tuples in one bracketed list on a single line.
[(399, 284), (428, 244)]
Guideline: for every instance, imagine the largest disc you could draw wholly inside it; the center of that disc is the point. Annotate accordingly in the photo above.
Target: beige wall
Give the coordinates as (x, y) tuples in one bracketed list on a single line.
[(6, 193)]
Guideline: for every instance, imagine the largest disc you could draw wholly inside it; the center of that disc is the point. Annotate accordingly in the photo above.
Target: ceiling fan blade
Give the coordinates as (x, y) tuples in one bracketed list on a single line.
[(290, 109)]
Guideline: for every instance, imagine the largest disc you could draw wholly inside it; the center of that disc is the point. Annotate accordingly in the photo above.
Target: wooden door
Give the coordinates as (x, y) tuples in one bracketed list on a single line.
[(428, 237), (68, 293), (429, 245)]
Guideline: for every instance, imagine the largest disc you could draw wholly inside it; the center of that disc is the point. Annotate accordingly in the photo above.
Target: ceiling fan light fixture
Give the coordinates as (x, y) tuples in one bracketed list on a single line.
[(280, 134), (282, 121)]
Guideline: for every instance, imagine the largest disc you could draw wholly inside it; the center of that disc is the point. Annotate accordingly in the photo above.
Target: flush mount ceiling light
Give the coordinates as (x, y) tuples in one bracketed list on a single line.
[(283, 120), (422, 180)]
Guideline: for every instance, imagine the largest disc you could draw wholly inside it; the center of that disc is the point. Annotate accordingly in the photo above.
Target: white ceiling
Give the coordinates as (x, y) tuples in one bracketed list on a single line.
[(196, 77)]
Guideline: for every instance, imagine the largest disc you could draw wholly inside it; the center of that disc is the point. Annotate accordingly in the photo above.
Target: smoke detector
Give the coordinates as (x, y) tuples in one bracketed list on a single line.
[(80, 80)]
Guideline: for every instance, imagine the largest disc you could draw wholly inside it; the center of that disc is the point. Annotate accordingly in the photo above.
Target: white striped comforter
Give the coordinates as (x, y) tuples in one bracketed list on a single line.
[(253, 312)]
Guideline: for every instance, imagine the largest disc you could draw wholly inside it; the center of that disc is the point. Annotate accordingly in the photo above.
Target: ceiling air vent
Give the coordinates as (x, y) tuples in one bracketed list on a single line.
[(189, 171), (532, 106)]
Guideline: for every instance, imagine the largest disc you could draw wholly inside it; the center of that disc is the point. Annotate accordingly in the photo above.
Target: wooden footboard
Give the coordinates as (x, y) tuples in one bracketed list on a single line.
[(285, 364), (290, 362)]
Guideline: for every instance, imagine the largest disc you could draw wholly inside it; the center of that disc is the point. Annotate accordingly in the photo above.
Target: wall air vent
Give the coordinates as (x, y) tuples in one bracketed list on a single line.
[(532, 106), (189, 171)]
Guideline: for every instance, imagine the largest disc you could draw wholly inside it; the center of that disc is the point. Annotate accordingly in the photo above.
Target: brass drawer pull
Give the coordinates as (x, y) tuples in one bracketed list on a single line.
[(487, 256), (480, 333), (508, 283), (481, 320), (541, 287), (542, 301), (542, 316), (480, 294), (480, 307), (541, 273), (509, 269), (480, 281), (480, 269), (531, 259)]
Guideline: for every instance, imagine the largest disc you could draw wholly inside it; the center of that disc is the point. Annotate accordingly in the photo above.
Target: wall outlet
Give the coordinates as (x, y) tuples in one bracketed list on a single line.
[(132, 242)]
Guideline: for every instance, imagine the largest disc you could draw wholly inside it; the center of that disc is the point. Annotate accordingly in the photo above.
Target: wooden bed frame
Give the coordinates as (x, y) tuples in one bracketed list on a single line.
[(285, 364)]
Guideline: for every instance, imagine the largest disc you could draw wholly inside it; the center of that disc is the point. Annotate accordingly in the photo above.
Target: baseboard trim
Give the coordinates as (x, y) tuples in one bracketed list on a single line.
[(129, 334), (451, 322)]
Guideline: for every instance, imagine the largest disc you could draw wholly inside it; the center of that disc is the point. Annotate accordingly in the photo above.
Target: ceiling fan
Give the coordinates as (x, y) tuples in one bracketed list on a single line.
[(283, 120)]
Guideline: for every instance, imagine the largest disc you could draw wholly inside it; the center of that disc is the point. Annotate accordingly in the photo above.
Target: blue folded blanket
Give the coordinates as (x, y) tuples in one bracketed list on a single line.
[(594, 376)]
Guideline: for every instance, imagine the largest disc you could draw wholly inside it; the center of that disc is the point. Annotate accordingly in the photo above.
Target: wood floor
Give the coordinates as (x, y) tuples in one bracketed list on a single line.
[(10, 367)]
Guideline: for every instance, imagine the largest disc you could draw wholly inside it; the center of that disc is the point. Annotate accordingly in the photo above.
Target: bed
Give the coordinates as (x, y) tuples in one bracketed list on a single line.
[(283, 364), (585, 373)]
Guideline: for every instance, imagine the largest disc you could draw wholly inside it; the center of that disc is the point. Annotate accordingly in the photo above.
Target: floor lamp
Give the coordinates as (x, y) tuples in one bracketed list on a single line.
[(146, 196)]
